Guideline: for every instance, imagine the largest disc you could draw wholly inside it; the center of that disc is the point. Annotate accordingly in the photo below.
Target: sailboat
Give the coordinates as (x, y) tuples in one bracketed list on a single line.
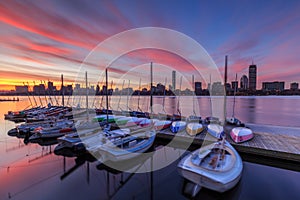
[(123, 148), (194, 126), (239, 133), (233, 120), (216, 130), (216, 166), (128, 144), (178, 126), (162, 123)]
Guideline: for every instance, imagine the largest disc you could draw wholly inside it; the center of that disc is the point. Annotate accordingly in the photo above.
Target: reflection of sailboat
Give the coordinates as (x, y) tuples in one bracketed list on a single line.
[(216, 166), (117, 167)]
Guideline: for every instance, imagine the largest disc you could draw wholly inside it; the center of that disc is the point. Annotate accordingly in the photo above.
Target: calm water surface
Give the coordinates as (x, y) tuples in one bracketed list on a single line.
[(34, 172)]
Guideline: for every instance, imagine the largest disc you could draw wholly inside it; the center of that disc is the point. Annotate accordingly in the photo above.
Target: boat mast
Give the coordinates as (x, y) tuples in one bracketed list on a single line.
[(55, 97), (28, 95), (106, 84), (138, 108), (68, 101), (178, 108), (193, 86), (225, 87), (38, 93), (233, 107), (210, 91), (62, 91), (163, 104), (111, 85), (121, 96), (49, 94), (127, 101), (87, 96), (151, 85), (45, 95), (33, 97)]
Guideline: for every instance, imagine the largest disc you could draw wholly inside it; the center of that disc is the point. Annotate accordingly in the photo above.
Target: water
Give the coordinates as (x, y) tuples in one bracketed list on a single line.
[(271, 110), (33, 172)]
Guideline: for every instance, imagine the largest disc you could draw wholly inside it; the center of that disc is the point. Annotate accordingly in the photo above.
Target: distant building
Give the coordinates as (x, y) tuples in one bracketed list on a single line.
[(21, 89), (273, 86), (144, 91), (110, 91), (234, 85), (171, 88), (77, 86), (127, 91), (98, 89), (244, 82), (217, 88), (173, 80), (198, 88), (160, 88), (228, 87), (252, 77), (69, 89), (294, 86), (50, 87), (104, 89), (92, 90), (39, 89)]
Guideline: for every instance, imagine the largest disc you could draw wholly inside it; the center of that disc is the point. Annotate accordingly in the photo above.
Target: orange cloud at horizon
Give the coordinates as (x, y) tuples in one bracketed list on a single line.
[(9, 80)]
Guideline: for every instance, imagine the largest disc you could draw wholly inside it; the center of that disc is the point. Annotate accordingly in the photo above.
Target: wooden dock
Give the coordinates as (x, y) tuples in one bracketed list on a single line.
[(279, 150), (13, 99)]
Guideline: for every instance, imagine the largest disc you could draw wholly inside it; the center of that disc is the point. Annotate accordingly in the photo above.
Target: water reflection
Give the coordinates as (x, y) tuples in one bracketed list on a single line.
[(34, 172), (250, 117)]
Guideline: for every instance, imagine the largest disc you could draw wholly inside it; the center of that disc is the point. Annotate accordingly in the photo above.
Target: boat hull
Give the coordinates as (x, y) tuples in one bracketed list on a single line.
[(215, 130), (219, 180), (177, 126), (116, 154), (207, 182), (194, 128), (241, 134)]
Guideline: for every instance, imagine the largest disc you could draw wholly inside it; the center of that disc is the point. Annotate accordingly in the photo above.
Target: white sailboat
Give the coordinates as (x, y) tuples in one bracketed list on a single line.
[(216, 130), (216, 166)]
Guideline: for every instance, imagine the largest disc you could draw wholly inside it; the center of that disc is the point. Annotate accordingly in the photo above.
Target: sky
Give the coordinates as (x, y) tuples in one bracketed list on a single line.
[(40, 40)]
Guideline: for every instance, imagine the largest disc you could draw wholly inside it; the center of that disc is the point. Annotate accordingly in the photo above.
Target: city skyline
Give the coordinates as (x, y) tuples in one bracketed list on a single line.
[(38, 48), (247, 86)]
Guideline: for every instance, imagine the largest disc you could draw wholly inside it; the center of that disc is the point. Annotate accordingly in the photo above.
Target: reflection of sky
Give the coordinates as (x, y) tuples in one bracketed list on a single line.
[(43, 40)]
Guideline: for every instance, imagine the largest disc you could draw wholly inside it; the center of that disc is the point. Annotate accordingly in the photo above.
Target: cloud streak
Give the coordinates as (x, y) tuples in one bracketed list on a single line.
[(54, 37)]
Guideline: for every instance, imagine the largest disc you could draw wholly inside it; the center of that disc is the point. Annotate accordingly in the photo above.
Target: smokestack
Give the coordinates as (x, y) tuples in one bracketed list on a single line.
[(225, 76)]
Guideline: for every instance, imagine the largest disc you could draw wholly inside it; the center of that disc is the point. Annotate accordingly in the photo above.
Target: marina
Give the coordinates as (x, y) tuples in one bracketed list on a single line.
[(279, 150), (266, 148), (111, 100)]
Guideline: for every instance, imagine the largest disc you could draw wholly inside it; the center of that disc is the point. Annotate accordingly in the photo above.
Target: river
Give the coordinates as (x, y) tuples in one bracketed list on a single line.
[(34, 172)]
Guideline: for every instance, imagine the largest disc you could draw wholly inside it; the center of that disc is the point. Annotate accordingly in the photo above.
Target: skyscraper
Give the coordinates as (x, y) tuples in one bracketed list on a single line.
[(244, 82), (198, 88), (252, 77), (234, 85), (50, 86), (173, 80)]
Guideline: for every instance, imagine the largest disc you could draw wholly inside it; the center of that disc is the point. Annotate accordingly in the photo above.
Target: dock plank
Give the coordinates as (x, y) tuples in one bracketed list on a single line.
[(281, 146)]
